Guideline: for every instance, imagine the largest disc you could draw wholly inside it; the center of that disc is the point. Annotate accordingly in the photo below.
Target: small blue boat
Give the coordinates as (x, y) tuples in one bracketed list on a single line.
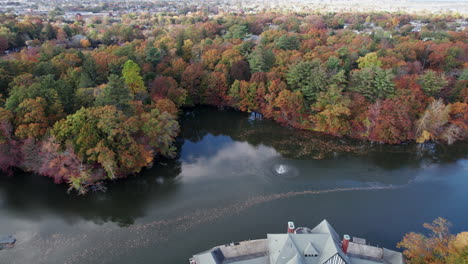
[(7, 242)]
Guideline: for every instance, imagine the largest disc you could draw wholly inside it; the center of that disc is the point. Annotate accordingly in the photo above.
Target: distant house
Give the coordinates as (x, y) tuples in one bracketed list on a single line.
[(254, 38), (320, 245), (272, 26), (76, 40), (462, 24), (417, 25), (213, 9)]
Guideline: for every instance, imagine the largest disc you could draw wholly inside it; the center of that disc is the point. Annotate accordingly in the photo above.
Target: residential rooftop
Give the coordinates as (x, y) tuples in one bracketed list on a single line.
[(320, 245)]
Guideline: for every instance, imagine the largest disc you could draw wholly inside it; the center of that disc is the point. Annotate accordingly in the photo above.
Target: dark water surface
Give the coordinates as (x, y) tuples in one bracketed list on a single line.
[(237, 178)]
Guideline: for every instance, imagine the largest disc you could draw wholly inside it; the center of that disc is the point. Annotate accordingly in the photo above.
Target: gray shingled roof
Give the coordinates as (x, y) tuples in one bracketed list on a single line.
[(317, 246)]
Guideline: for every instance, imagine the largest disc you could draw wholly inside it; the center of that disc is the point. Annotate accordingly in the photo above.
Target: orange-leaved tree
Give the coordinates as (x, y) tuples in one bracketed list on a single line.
[(440, 247)]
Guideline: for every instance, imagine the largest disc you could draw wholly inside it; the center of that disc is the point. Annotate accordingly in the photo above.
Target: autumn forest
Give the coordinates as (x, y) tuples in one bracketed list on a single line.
[(85, 101)]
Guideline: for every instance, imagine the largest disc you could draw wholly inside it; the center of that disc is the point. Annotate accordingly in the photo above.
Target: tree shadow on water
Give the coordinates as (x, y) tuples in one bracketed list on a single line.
[(308, 145), (33, 197)]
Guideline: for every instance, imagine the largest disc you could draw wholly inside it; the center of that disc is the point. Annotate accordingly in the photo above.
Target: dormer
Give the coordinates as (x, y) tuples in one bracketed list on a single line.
[(310, 251)]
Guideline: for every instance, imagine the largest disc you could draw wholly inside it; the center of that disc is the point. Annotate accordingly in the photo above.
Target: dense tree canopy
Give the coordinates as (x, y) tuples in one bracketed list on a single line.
[(432, 82), (308, 77), (120, 145), (82, 102), (115, 93), (261, 59), (373, 82)]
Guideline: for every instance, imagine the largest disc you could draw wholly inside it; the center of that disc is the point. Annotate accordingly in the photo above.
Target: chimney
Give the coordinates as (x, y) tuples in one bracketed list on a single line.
[(345, 243), (290, 227)]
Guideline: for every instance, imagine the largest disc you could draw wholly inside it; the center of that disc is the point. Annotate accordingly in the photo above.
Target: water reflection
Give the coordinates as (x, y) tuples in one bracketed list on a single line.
[(224, 147), (295, 144), (232, 160), (32, 197), (227, 165)]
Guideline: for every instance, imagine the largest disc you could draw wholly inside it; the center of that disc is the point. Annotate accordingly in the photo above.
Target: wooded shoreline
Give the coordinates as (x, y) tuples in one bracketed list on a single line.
[(89, 100)]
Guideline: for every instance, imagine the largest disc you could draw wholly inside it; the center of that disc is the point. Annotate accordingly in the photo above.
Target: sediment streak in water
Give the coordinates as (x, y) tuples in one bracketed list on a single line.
[(107, 243)]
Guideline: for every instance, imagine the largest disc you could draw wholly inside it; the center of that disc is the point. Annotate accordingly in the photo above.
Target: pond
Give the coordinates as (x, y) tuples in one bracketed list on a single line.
[(237, 177)]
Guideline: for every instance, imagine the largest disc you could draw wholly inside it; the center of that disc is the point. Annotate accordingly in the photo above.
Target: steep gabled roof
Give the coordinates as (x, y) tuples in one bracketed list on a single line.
[(325, 228), (283, 249), (332, 246), (313, 248), (329, 250), (320, 245), (310, 250), (295, 260)]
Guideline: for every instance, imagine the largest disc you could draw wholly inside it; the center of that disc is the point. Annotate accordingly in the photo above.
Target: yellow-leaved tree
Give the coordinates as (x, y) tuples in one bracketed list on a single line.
[(440, 247), (132, 77)]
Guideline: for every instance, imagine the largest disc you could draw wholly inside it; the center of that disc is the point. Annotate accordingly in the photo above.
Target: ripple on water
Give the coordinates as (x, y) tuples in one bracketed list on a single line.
[(281, 169), (113, 242)]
